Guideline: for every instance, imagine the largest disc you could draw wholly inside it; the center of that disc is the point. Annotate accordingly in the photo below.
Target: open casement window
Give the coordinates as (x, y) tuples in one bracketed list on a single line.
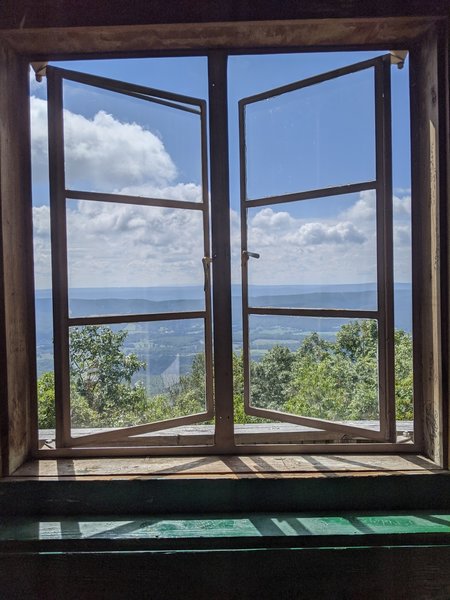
[(297, 116), (342, 119), (67, 187)]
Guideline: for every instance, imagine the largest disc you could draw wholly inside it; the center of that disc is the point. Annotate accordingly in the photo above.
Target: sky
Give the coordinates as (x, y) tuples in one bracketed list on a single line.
[(315, 137)]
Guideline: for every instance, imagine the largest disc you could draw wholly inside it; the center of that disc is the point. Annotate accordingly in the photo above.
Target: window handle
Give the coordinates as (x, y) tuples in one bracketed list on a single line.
[(246, 254)]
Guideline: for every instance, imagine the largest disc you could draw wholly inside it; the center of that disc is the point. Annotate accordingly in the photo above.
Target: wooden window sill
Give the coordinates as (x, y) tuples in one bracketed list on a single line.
[(224, 467)]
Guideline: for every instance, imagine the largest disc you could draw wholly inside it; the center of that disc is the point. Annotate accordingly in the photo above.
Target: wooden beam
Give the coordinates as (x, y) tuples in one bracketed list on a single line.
[(254, 491), (18, 340), (426, 236), (46, 43), (19, 14), (419, 572)]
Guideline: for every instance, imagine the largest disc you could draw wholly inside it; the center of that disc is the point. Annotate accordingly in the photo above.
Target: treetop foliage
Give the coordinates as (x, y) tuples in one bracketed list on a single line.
[(333, 380)]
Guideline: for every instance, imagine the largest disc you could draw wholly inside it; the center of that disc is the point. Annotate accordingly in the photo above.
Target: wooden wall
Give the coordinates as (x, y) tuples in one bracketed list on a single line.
[(17, 313), (53, 27), (429, 233)]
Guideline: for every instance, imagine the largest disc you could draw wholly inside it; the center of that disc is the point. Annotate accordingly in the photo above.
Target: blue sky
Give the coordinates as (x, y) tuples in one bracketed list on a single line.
[(314, 138)]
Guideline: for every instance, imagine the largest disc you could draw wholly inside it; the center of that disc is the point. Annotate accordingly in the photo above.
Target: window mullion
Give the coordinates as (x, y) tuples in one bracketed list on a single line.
[(220, 235)]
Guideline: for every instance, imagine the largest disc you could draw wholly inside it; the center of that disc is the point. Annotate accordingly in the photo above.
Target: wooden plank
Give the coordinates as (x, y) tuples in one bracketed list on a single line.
[(251, 433), (444, 224), (214, 531), (331, 572), (296, 33), (425, 249), (17, 256), (250, 491), (19, 14), (207, 465)]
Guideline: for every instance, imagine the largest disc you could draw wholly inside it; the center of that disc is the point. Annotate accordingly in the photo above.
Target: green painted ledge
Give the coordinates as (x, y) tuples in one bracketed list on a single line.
[(255, 530)]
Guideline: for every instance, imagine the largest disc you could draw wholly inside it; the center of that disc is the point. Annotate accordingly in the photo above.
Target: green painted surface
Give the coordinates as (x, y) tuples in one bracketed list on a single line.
[(223, 526)]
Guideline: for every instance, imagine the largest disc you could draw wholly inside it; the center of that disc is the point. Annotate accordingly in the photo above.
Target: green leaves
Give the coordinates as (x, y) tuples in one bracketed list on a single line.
[(334, 380)]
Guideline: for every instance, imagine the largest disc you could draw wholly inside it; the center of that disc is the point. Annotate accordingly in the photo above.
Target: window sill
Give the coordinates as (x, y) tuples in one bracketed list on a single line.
[(227, 467), (225, 484)]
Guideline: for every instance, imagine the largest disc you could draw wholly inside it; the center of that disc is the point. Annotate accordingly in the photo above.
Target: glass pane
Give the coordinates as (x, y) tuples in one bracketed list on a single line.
[(315, 137), (315, 253), (117, 144), (403, 312), (315, 367), (128, 259), (134, 373)]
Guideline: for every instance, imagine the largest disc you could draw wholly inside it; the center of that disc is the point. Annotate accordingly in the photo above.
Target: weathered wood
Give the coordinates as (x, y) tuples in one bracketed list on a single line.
[(217, 465), (250, 433), (444, 224), (250, 491), (425, 248), (19, 14), (290, 573), (64, 41), (214, 531), (17, 256)]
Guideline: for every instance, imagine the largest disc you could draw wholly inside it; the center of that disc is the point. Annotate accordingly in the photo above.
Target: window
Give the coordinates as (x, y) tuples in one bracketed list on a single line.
[(133, 359), (337, 432)]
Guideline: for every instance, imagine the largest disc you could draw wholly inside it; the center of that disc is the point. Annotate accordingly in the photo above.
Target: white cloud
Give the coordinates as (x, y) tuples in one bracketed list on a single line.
[(321, 233), (102, 153), (364, 208), (267, 217), (118, 244), (338, 248), (129, 245), (402, 206)]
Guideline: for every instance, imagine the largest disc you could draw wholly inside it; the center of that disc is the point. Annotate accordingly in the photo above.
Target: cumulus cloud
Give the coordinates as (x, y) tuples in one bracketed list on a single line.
[(320, 233), (103, 153), (122, 245), (338, 247), (267, 217), (364, 208), (113, 244)]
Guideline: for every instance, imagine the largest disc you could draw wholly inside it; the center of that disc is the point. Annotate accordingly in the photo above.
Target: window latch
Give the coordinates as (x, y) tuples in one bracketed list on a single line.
[(206, 260), (246, 255)]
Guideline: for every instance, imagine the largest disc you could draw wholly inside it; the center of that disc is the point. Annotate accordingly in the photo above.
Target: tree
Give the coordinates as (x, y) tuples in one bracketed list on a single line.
[(101, 392), (101, 371), (271, 377), (333, 380)]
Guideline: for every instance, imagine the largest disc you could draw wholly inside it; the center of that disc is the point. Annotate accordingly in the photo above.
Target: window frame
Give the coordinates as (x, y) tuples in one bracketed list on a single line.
[(20, 438), (382, 185)]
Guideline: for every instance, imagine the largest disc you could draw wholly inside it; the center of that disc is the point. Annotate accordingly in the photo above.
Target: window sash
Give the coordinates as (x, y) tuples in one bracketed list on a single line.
[(384, 315), (58, 197)]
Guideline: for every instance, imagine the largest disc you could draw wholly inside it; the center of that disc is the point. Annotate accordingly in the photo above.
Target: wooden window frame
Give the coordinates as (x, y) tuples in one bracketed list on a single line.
[(426, 39)]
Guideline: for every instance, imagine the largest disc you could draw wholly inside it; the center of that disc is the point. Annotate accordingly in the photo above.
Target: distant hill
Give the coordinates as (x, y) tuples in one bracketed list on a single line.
[(188, 334)]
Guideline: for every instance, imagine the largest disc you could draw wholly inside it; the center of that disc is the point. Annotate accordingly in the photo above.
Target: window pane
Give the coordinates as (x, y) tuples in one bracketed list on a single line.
[(315, 367), (128, 259), (129, 374), (318, 136), (315, 253), (118, 144)]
